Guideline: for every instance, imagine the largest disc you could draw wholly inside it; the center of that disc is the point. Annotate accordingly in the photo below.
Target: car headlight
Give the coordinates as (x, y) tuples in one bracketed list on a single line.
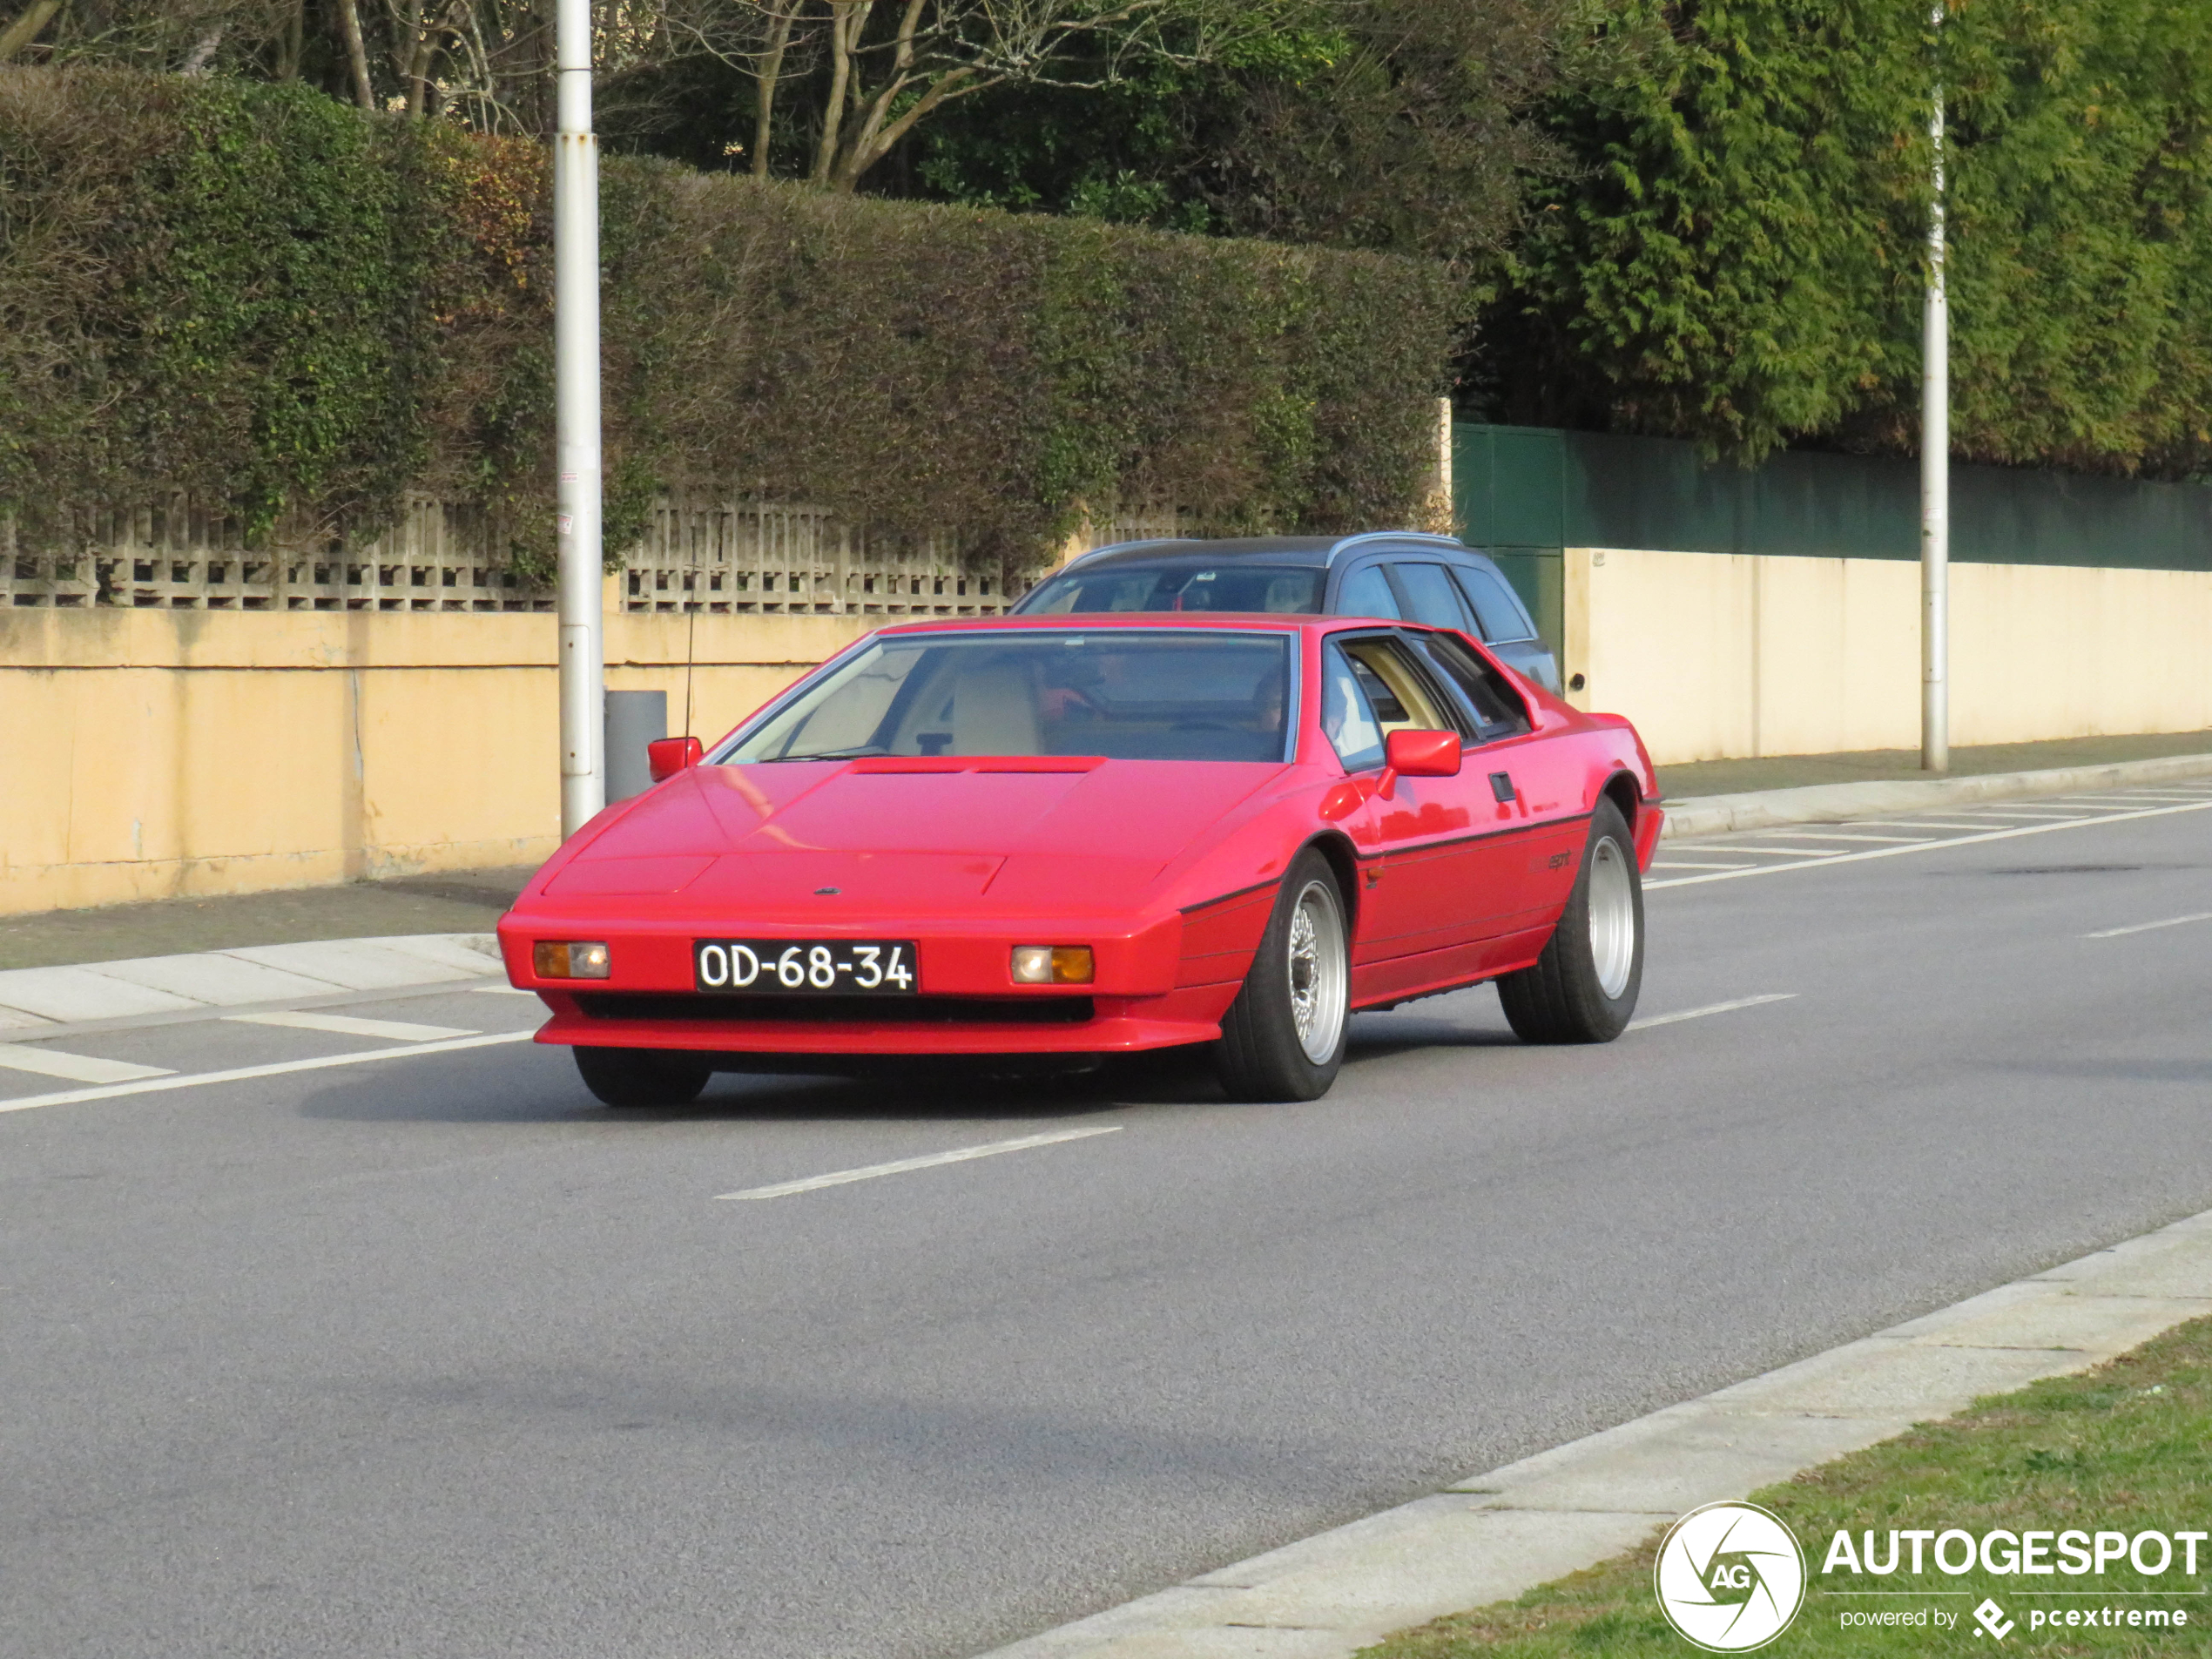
[(1053, 964), (568, 958)]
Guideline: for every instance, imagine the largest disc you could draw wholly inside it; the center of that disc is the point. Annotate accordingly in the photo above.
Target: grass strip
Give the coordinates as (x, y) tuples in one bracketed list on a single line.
[(2125, 1447)]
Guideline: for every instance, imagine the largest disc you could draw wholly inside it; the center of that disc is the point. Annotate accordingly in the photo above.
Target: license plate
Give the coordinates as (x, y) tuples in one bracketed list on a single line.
[(801, 967)]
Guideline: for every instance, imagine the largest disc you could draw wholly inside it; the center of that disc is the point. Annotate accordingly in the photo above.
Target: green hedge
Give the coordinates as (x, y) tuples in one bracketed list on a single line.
[(258, 295), (1737, 254)]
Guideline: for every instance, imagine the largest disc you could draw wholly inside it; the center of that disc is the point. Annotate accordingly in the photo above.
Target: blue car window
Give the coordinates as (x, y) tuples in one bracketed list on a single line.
[(1495, 606), (1434, 599), (1366, 593)]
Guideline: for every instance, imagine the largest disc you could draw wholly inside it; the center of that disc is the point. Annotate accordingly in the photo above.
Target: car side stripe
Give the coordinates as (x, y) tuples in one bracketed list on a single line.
[(1241, 893)]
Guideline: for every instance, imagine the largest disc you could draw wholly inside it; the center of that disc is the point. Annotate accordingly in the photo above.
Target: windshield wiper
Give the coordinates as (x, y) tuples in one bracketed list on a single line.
[(858, 751)]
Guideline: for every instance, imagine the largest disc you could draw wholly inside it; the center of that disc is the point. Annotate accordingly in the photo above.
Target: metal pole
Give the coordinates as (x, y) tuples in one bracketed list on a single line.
[(1935, 476), (576, 375)]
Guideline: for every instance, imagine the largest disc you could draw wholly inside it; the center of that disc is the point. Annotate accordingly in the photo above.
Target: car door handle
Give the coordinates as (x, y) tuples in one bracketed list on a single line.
[(1501, 786)]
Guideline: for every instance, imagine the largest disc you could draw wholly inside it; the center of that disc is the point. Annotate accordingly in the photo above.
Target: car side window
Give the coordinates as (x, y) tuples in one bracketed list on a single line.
[(1497, 708), (1366, 593), (1374, 686), (1347, 716), (1496, 606), (1434, 598)]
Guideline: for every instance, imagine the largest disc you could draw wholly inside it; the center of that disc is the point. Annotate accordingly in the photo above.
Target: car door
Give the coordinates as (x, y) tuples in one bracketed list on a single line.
[(1539, 826), (1423, 889)]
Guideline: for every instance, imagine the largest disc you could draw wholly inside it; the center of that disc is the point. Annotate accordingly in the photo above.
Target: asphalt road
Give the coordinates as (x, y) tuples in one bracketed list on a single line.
[(430, 1355)]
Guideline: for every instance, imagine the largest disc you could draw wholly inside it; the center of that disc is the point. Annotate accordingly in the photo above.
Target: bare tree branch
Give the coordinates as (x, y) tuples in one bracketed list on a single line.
[(20, 33)]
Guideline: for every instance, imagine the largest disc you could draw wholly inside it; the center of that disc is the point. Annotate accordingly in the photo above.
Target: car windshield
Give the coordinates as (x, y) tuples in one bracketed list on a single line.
[(1127, 694), (1284, 589)]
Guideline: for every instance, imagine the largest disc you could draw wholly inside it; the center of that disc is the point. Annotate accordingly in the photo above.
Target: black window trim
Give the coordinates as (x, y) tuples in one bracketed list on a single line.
[(1458, 698)]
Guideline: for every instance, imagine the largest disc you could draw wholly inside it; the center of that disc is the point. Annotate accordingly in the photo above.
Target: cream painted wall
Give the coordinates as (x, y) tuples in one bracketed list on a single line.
[(149, 753), (1723, 656)]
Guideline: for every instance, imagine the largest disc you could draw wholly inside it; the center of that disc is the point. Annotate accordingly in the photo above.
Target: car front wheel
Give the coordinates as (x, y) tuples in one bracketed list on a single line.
[(1283, 1038), (641, 1076), (1584, 987)]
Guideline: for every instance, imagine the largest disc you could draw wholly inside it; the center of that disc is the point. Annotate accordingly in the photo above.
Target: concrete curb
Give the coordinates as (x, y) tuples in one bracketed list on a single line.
[(1840, 802), (37, 1001), (1494, 1536)]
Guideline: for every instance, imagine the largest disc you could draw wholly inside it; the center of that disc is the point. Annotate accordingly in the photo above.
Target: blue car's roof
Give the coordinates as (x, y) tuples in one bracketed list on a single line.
[(1315, 551)]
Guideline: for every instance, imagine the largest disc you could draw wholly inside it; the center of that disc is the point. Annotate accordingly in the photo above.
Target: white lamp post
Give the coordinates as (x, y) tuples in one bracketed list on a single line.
[(1935, 476), (576, 375)]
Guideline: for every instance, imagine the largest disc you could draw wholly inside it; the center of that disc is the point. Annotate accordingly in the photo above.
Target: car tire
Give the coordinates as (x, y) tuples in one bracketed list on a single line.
[(632, 1077), (1283, 1038), (1584, 987)]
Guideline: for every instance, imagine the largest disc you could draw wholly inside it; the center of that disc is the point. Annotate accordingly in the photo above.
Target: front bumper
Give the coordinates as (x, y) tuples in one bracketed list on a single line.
[(1159, 983)]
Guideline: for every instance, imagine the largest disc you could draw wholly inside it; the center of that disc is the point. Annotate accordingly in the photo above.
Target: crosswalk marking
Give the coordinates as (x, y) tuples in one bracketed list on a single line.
[(345, 1025), (77, 1068)]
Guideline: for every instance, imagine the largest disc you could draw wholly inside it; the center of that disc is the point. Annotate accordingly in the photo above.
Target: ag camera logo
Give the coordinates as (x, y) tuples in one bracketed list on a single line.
[(1730, 1577)]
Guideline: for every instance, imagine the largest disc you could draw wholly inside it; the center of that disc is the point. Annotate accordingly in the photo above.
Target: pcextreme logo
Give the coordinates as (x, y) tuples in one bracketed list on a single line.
[(1730, 1577)]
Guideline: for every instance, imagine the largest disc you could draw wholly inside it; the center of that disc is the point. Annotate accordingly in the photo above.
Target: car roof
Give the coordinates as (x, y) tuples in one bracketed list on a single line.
[(1201, 621), (1317, 552)]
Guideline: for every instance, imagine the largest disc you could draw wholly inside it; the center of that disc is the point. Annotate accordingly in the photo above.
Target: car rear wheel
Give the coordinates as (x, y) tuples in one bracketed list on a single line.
[(641, 1076), (1584, 987), (1283, 1038)]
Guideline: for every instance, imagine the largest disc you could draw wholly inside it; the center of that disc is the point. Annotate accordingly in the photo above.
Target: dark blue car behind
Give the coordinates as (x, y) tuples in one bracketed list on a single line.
[(1397, 574)]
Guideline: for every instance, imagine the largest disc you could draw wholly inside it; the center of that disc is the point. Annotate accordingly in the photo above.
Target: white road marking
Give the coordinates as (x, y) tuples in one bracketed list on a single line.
[(345, 1025), (78, 1068), (1839, 835), (241, 1074), (2137, 795), (1789, 852), (2008, 811), (1714, 1007), (2146, 926), (501, 990), (988, 1149), (2006, 834), (1914, 823), (1684, 864)]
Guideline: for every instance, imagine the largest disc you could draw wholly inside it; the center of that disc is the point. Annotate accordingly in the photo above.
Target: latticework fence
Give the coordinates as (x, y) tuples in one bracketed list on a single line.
[(700, 553)]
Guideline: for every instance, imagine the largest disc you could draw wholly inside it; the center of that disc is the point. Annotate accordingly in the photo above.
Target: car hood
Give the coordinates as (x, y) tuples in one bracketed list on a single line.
[(970, 836)]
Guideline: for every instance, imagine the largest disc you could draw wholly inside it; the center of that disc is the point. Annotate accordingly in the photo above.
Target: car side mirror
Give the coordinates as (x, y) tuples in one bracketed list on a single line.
[(1417, 753), (666, 756)]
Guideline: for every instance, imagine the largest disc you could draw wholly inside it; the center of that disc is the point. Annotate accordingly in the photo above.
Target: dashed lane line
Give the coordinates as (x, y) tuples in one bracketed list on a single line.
[(1839, 835), (2147, 927), (241, 1074), (2009, 833), (1710, 1007), (900, 1166), (78, 1068), (347, 1025)]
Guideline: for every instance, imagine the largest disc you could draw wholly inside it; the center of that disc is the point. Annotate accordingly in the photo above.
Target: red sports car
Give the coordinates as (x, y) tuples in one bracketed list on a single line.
[(1052, 837)]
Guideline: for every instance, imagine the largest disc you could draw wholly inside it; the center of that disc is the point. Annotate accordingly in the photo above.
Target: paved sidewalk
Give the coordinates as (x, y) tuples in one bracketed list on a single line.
[(45, 1001), (1496, 1535), (1885, 766), (453, 901)]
